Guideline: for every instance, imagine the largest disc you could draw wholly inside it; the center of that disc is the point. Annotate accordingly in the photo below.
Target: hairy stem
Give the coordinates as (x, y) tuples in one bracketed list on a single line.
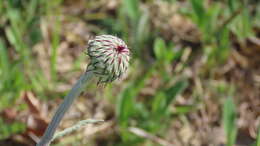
[(75, 127), (62, 109)]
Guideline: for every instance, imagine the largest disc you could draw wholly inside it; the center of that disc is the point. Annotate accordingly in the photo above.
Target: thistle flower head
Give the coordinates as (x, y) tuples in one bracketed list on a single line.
[(109, 57)]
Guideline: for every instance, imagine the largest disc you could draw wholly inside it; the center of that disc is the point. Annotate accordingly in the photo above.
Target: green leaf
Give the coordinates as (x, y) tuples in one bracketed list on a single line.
[(1, 9), (241, 26), (232, 5), (159, 103), (163, 99), (199, 12), (258, 137), (126, 105), (211, 25), (7, 130), (11, 36), (175, 90), (31, 10), (229, 119), (4, 59), (143, 28), (183, 109), (159, 48), (132, 9)]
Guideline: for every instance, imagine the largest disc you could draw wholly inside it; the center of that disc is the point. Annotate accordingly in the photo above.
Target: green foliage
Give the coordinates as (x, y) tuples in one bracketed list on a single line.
[(258, 138), (229, 121), (164, 54), (257, 142), (19, 24), (216, 31), (134, 24), (164, 98), (7, 130), (199, 12), (146, 116), (12, 80), (242, 25), (132, 9), (256, 20), (126, 104)]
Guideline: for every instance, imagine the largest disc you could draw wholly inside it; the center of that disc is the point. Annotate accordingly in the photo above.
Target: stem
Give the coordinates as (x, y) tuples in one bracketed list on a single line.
[(62, 109), (75, 127)]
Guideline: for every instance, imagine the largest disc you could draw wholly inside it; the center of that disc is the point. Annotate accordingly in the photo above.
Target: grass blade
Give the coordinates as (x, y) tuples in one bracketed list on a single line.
[(229, 119)]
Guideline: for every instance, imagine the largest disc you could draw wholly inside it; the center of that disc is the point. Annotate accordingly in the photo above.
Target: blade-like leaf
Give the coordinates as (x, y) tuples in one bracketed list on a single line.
[(159, 48), (132, 8), (229, 119), (164, 98)]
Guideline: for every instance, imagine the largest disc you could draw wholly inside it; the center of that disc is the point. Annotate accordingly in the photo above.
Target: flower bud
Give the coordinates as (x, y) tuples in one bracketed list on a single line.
[(109, 57)]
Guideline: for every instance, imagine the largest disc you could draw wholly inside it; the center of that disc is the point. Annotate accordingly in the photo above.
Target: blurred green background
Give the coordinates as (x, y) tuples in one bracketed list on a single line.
[(194, 78)]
